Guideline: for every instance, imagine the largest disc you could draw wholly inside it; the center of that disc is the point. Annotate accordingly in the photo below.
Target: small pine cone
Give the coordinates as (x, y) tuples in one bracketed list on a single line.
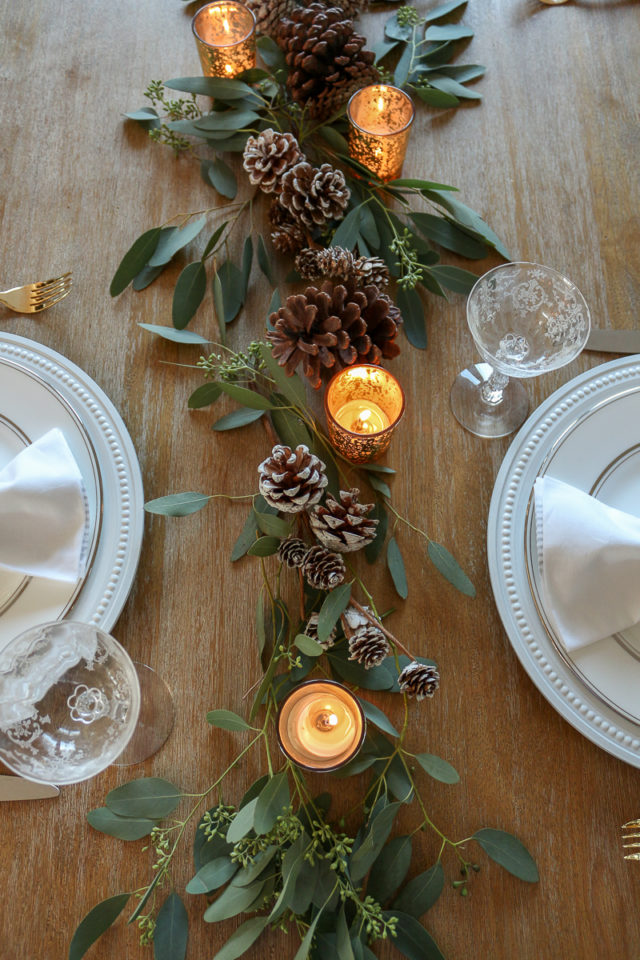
[(288, 237), (323, 569), (269, 13), (368, 270), (311, 630), (268, 156), (368, 646), (314, 196), (419, 680), (334, 263), (343, 526), (292, 551), (351, 8), (292, 480)]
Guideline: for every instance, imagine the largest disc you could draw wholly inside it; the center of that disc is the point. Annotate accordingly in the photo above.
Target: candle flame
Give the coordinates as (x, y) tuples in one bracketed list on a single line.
[(380, 104), (225, 25), (228, 68), (361, 423)]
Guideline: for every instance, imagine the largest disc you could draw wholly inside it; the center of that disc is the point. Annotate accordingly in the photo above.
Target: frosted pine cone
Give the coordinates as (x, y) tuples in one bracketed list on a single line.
[(288, 237), (368, 270), (419, 680), (268, 156), (335, 263), (292, 480), (314, 196), (343, 526), (292, 551), (368, 646), (311, 630), (323, 569)]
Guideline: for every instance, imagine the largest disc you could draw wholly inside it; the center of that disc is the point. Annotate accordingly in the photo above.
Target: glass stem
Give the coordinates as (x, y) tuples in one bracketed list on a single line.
[(492, 390)]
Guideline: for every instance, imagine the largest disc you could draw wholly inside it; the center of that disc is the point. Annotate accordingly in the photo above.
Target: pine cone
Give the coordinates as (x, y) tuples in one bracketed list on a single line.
[(335, 263), (343, 526), (288, 237), (292, 480), (333, 327), (368, 646), (373, 270), (311, 630), (325, 58), (314, 196), (323, 569), (292, 551), (268, 156), (269, 13), (419, 680), (352, 8)]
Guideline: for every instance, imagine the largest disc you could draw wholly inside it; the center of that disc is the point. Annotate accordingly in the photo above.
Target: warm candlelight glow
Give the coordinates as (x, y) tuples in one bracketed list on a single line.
[(380, 117), (363, 404), (225, 38), (321, 725)]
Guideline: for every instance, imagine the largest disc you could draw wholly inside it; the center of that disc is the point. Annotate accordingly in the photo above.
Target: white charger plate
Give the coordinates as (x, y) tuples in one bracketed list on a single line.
[(40, 389), (587, 434)]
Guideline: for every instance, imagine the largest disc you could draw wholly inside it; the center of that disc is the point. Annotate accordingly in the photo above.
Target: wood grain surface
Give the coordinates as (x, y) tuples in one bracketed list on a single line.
[(549, 158)]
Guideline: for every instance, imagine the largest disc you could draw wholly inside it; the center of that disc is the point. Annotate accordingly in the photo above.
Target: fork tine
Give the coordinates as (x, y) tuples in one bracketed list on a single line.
[(632, 856), (46, 283), (41, 289), (631, 823), (46, 295), (50, 303)]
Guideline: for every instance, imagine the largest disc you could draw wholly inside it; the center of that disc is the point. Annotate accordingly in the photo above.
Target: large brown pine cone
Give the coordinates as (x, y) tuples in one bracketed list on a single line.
[(314, 196), (323, 569), (343, 526), (287, 235), (325, 58), (292, 480), (334, 327), (368, 646), (268, 156), (419, 680)]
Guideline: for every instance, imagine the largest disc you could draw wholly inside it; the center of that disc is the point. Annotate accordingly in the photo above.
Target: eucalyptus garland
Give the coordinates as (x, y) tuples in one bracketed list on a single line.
[(285, 856)]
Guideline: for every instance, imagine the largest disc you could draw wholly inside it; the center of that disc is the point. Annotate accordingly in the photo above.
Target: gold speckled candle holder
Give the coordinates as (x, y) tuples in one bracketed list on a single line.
[(225, 34)]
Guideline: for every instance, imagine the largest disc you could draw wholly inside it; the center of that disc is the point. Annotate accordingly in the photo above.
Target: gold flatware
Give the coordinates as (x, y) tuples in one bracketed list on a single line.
[(631, 832), (34, 297)]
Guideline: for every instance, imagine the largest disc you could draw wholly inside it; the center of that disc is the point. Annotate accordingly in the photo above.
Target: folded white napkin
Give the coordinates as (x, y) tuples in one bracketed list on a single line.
[(43, 511), (590, 561)]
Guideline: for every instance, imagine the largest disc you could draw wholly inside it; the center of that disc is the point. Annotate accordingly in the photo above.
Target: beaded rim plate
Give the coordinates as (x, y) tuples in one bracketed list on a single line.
[(585, 434), (48, 390)]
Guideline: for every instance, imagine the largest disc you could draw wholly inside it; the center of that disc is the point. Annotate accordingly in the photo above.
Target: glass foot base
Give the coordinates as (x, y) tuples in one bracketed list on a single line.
[(155, 722), (487, 419)]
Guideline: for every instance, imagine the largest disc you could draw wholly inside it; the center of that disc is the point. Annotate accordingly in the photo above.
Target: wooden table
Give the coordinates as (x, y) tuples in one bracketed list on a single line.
[(550, 159)]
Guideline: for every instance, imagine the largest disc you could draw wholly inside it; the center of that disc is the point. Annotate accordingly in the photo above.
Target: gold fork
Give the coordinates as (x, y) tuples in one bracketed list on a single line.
[(34, 297), (631, 831)]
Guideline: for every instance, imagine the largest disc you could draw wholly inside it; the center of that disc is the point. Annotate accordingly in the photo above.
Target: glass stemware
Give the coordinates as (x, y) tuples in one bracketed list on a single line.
[(70, 703), (525, 319)]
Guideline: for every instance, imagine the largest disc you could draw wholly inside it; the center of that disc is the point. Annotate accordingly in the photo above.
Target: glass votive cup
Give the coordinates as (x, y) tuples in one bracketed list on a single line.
[(363, 405), (225, 33), (321, 725), (380, 118)]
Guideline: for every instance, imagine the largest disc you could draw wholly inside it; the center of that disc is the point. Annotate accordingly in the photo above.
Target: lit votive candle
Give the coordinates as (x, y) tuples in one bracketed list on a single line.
[(321, 725), (380, 117), (363, 405), (225, 34)]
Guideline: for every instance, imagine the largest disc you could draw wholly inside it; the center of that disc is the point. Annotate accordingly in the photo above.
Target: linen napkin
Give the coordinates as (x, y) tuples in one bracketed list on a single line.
[(43, 511), (589, 555)]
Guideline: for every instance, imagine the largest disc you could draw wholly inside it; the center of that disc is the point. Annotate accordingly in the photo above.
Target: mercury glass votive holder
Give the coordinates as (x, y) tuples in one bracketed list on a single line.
[(225, 33), (380, 118), (363, 406), (321, 725)]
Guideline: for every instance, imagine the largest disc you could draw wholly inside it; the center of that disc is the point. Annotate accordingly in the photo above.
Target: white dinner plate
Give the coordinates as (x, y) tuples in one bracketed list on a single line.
[(39, 390), (587, 434)]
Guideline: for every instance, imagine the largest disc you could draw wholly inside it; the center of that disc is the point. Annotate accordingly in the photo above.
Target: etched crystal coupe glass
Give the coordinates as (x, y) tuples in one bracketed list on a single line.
[(69, 703), (526, 320)]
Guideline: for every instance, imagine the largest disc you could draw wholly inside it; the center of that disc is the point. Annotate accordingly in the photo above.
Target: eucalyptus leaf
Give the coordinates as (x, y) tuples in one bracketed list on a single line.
[(382, 48), (435, 97), (177, 504), (148, 797), (142, 902), (395, 31), (358, 765), (380, 486), (226, 120), (136, 257), (274, 305), (344, 950), (212, 875), (171, 240), (232, 901), (264, 547), (177, 336), (247, 262), (346, 235), (411, 939), (272, 801), (241, 939), (94, 924), (450, 31), (290, 428), (380, 828), (248, 398), (302, 952), (374, 548), (171, 930), (417, 184), (454, 278), (227, 720), (335, 603), (147, 117), (242, 823), (273, 526), (390, 868), (146, 277), (264, 262), (395, 564), (443, 10), (213, 239), (246, 537), (368, 227), (233, 290), (381, 677), (254, 791), (271, 53), (308, 645), (219, 88), (222, 177), (399, 781), (463, 73), (401, 72), (449, 85), (412, 310), (447, 235), (377, 717), (204, 396), (208, 848), (334, 138), (124, 828), (421, 893), (450, 568), (237, 418), (509, 852), (252, 871), (189, 293), (304, 888), (468, 218), (438, 768)]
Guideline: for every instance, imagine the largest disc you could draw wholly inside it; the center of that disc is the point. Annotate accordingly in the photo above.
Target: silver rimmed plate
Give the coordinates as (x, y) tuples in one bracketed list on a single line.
[(40, 389), (585, 434)]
